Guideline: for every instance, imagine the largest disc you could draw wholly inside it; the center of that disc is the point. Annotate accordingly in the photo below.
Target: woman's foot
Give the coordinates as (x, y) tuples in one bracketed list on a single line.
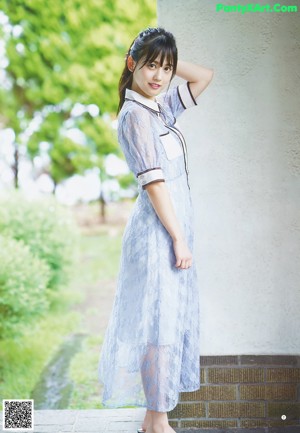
[(156, 422), (147, 420)]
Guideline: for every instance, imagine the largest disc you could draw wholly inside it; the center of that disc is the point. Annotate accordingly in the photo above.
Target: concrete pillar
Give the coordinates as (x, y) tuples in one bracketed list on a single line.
[(244, 153)]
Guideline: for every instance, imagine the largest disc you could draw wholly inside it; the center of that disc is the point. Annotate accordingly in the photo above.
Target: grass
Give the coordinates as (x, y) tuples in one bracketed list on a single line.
[(100, 255), (23, 359), (83, 373), (99, 258)]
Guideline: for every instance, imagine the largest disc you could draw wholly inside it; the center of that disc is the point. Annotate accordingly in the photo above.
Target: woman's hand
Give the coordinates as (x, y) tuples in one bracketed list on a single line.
[(182, 253)]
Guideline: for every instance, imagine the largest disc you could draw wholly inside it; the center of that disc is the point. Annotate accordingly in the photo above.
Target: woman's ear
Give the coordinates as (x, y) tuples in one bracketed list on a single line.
[(130, 63)]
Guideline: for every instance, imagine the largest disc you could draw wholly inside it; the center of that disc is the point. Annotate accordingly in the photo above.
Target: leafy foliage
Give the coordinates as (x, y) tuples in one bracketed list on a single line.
[(71, 48), (61, 54), (46, 229), (23, 286)]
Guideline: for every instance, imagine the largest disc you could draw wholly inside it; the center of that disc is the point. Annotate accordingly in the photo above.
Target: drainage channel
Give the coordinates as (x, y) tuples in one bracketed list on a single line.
[(54, 388)]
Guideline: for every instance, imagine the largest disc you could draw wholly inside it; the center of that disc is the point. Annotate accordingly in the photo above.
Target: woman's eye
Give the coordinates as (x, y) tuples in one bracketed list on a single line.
[(153, 66)]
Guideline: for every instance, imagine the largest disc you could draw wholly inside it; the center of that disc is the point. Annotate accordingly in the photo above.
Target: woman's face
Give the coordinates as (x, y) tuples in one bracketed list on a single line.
[(152, 78)]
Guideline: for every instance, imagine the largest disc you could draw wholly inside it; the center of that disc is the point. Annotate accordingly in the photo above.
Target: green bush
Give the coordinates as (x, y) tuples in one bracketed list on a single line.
[(23, 286), (46, 227)]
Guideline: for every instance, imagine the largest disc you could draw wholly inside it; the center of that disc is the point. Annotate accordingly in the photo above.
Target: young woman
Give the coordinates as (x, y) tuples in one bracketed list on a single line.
[(150, 351)]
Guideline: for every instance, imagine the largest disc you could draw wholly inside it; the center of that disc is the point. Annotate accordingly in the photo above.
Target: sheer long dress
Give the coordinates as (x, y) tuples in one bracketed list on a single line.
[(150, 351)]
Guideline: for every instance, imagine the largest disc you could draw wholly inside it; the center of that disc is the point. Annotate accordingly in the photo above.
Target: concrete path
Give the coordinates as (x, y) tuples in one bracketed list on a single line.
[(113, 421), (85, 421)]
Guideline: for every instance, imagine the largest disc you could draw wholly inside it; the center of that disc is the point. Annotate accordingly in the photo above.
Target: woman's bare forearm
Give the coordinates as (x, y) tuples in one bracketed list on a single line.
[(160, 198), (198, 76), (192, 72)]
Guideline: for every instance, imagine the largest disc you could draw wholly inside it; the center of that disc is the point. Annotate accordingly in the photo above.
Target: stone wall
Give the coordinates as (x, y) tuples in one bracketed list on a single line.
[(242, 391)]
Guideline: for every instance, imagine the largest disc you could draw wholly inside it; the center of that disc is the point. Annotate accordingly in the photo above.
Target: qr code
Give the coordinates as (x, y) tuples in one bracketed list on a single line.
[(17, 415)]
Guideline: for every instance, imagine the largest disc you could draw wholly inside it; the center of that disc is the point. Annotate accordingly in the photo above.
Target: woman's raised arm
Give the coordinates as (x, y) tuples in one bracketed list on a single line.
[(198, 76)]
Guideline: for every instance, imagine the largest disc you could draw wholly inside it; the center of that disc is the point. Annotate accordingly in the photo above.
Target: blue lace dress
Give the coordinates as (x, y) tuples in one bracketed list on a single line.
[(150, 351)]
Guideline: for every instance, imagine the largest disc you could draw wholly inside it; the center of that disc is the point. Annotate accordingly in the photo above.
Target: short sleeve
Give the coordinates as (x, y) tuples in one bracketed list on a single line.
[(178, 98), (137, 138)]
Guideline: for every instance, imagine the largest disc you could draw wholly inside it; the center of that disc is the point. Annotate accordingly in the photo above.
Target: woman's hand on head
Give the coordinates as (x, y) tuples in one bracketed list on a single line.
[(183, 254)]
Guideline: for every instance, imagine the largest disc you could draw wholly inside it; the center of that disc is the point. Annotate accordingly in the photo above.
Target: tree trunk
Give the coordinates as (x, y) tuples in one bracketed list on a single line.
[(15, 167), (102, 207)]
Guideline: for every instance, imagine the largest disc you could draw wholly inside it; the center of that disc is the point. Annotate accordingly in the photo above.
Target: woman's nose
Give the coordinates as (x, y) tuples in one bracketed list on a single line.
[(158, 74)]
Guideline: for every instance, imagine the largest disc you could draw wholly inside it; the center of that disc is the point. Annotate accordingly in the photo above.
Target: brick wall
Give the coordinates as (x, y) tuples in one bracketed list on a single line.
[(242, 391)]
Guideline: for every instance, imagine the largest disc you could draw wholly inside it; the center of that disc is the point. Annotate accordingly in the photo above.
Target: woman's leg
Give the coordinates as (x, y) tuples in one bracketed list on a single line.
[(155, 372)]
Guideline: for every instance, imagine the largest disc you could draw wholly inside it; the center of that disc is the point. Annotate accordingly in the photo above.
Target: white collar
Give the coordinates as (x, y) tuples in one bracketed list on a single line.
[(135, 96)]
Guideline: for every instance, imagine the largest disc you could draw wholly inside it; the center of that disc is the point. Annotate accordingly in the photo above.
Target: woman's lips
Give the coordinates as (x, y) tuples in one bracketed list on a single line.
[(154, 86)]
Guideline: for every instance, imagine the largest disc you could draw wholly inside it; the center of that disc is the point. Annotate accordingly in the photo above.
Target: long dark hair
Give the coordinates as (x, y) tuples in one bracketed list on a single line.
[(148, 45)]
